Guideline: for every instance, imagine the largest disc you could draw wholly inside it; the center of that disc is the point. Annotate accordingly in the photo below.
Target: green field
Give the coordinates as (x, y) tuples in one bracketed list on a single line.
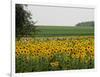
[(51, 31)]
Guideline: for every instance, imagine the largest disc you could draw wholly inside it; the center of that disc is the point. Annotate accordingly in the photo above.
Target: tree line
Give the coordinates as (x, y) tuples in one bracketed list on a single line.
[(87, 23)]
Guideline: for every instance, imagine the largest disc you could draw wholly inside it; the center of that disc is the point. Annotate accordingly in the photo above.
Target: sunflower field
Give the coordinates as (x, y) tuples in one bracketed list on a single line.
[(51, 54)]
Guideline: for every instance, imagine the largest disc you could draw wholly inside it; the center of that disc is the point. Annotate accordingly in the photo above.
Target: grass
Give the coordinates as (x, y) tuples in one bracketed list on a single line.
[(51, 31)]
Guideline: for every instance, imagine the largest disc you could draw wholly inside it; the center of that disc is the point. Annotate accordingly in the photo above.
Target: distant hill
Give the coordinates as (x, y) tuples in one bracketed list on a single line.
[(88, 23)]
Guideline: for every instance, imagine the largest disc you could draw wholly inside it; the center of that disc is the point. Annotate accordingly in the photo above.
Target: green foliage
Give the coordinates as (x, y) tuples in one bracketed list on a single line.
[(24, 23), (31, 64), (85, 24), (66, 62)]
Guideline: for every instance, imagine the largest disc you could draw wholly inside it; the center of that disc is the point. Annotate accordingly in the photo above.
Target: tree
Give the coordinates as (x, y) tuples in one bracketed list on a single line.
[(24, 23), (86, 24)]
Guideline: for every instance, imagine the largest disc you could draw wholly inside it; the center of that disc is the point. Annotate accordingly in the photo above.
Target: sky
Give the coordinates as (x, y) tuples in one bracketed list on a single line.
[(60, 16)]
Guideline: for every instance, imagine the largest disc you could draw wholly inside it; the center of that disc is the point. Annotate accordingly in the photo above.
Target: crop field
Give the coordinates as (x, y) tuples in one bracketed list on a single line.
[(49, 31), (57, 54), (53, 38), (56, 48)]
